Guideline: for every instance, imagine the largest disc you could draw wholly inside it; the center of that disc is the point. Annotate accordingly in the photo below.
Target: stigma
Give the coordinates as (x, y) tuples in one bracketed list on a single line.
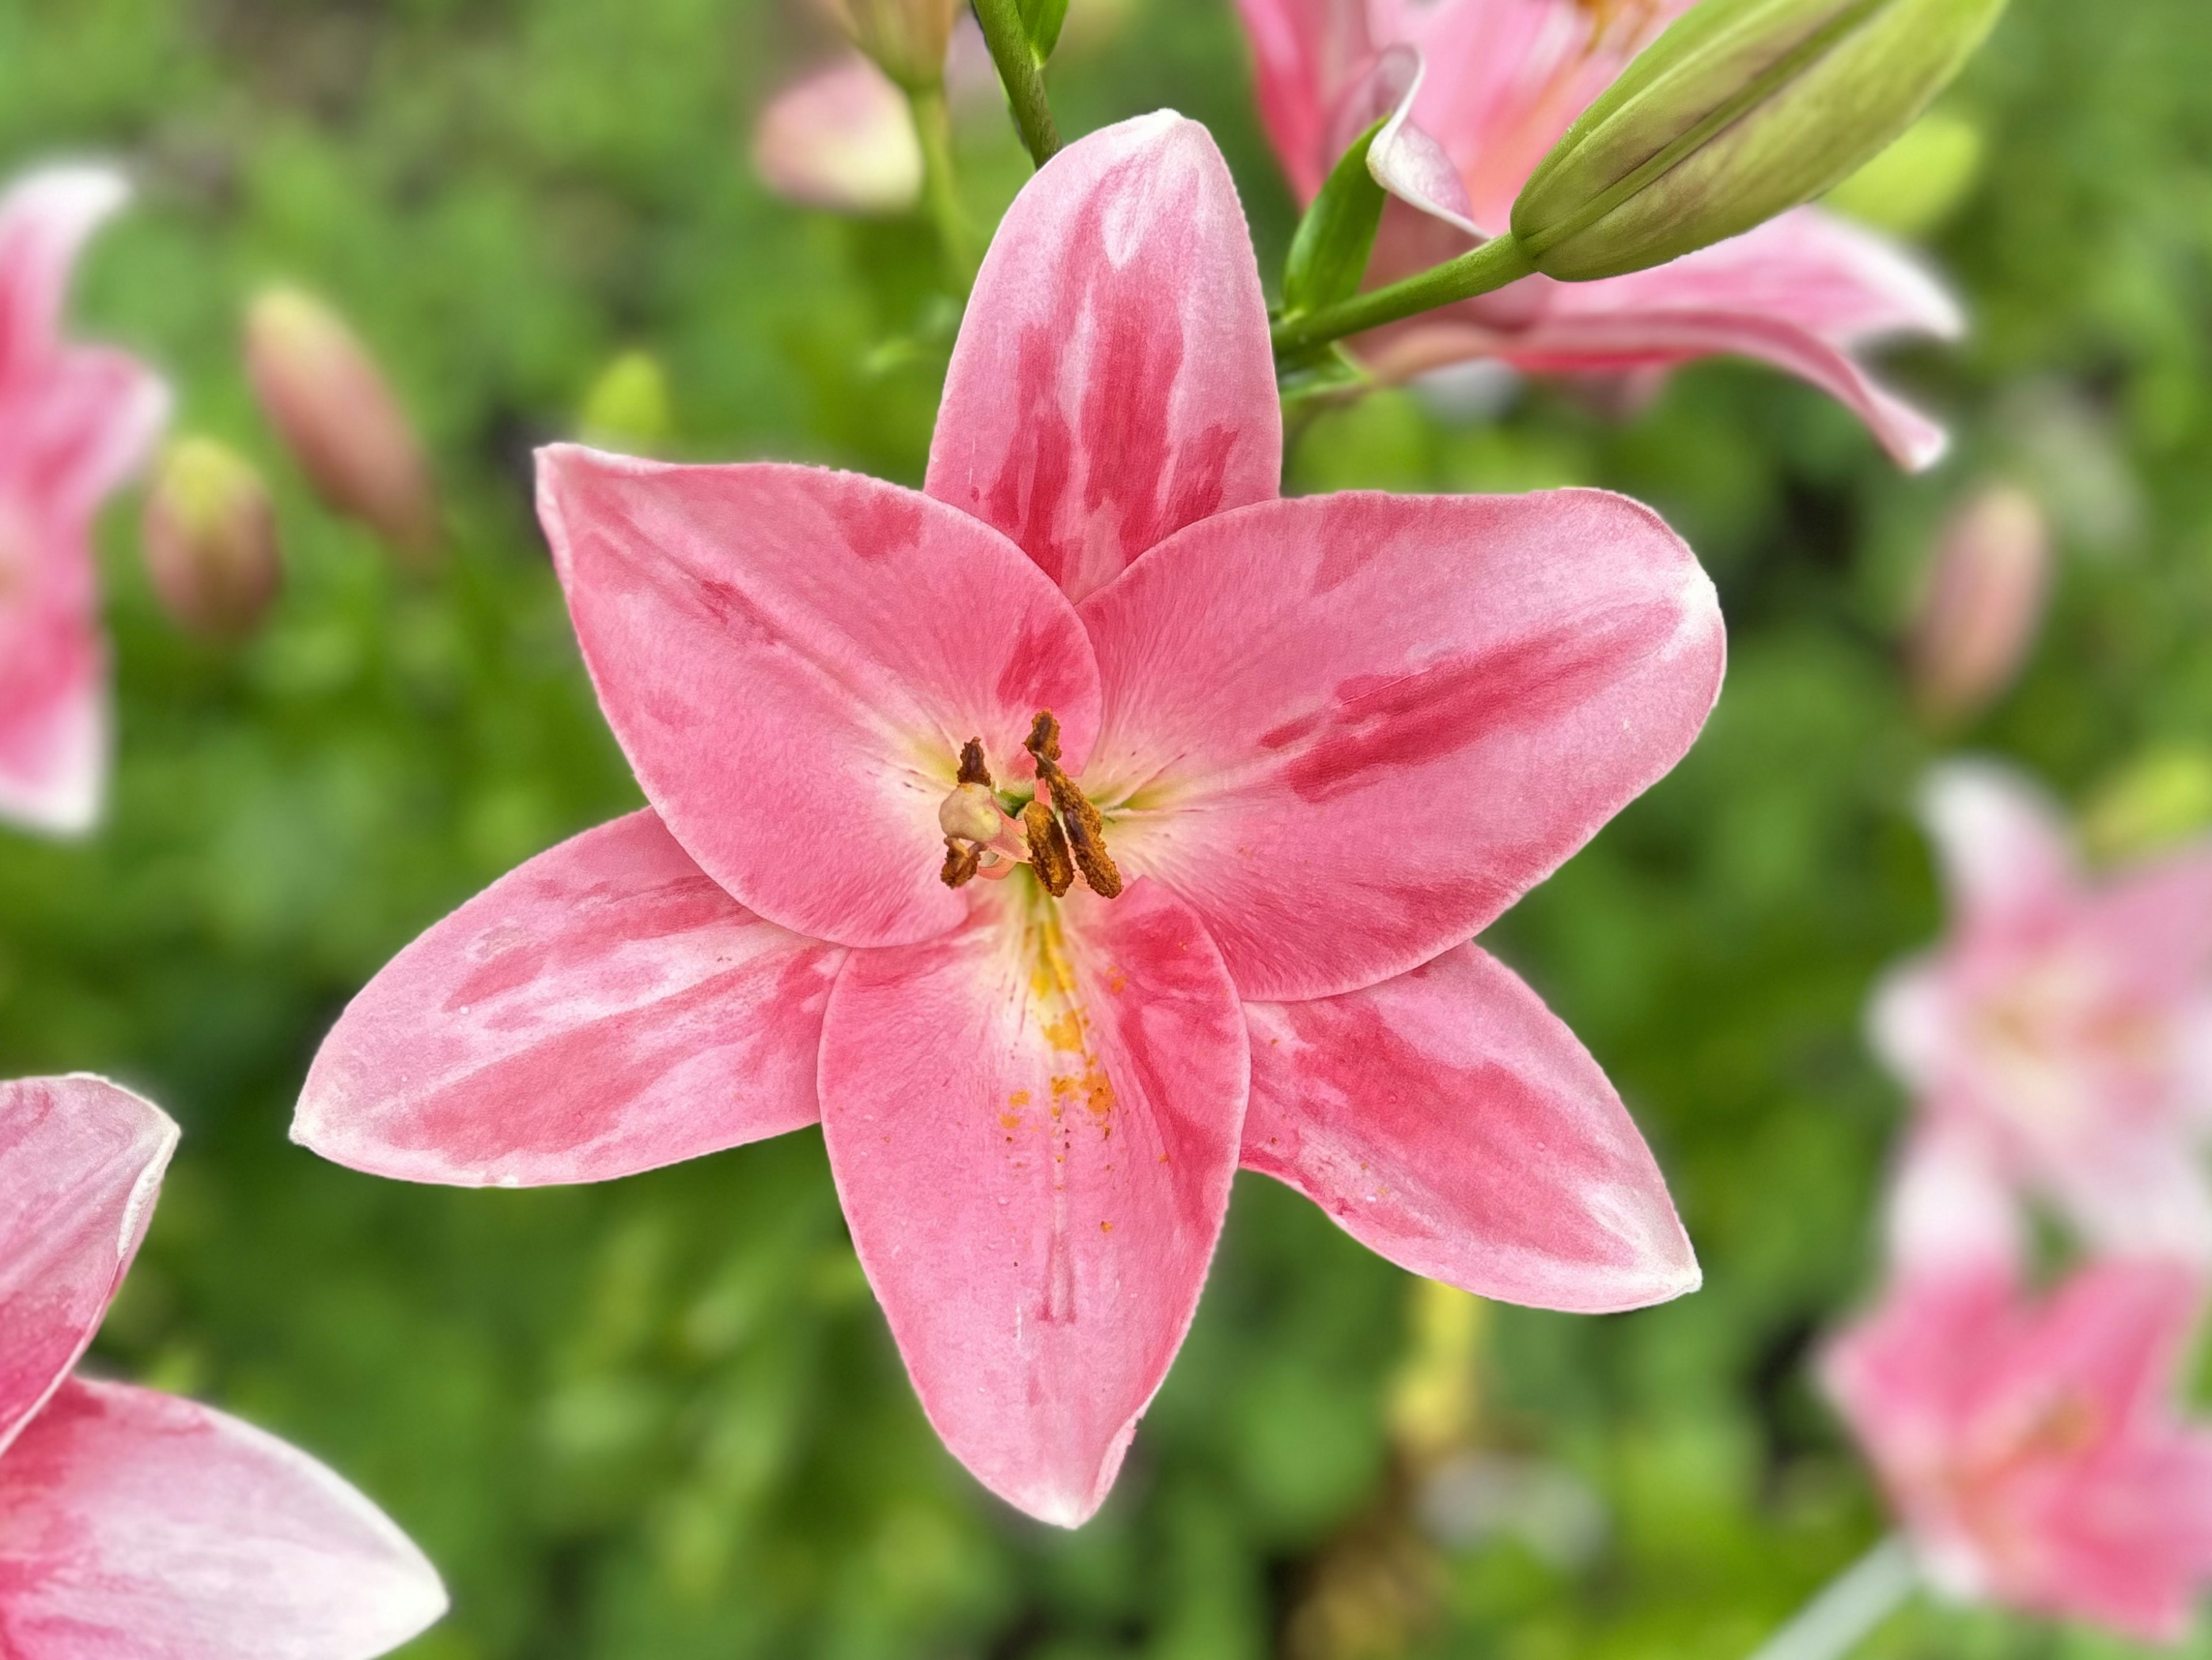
[(1060, 833)]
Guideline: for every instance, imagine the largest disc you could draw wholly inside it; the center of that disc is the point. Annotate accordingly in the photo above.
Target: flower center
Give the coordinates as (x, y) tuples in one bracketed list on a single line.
[(1062, 833)]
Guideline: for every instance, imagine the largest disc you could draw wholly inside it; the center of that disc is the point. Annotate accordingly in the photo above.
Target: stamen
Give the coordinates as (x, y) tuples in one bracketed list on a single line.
[(960, 862), (1048, 849), (973, 770), (1085, 831)]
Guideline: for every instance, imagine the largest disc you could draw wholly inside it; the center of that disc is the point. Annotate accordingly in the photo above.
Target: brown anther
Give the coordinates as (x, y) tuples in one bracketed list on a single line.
[(1085, 832), (961, 859), (973, 767), (1043, 741), (1048, 849), (1086, 835)]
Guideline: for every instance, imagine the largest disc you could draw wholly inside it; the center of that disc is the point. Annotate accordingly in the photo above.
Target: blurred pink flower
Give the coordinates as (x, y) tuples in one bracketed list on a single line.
[(2032, 1449), (2060, 1039), (133, 1522), (1492, 84), (840, 138), (1327, 739), (75, 421)]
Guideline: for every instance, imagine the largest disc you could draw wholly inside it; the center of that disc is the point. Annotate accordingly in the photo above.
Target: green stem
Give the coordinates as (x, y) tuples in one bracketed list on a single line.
[(1021, 74), (1849, 1607), (1480, 270), (933, 123)]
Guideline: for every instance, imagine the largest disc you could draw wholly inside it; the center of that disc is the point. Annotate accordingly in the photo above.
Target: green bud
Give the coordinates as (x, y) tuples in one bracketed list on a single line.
[(1918, 182), (906, 38), (210, 539), (628, 407), (2157, 800), (1741, 110)]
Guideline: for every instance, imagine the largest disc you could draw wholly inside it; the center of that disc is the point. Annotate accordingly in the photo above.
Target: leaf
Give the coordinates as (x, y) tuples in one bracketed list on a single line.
[(1041, 22), (1328, 254)]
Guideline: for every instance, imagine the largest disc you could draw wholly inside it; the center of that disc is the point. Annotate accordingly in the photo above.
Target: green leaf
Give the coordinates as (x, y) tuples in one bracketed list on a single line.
[(1328, 254), (1041, 22)]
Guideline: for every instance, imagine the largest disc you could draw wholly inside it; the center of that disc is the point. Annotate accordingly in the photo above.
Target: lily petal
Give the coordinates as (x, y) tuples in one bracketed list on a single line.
[(134, 1524), (1033, 1123), (1306, 54), (1404, 159), (1449, 1120), (2006, 858), (605, 1008), (80, 1162), (46, 220), (54, 725), (1113, 381), (791, 658), (1350, 730)]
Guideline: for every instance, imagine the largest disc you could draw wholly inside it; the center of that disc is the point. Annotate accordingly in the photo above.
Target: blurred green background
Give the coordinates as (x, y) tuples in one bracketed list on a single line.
[(662, 1418)]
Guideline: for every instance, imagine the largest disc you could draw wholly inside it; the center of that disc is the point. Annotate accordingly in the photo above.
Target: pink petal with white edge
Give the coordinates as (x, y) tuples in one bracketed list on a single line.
[(1113, 381), (1403, 159), (2006, 859), (45, 219), (54, 735), (791, 658), (605, 1008), (1950, 1210), (80, 1162), (1034, 1139), (1350, 730), (1447, 1120), (137, 1526)]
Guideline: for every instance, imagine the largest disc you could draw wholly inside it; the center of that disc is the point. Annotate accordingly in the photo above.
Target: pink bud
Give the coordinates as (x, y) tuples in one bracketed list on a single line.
[(1982, 604), (210, 540), (331, 404), (843, 139)]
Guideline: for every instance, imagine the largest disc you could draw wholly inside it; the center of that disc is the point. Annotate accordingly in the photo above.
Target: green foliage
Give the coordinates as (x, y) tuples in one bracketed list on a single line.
[(1329, 251), (661, 1419)]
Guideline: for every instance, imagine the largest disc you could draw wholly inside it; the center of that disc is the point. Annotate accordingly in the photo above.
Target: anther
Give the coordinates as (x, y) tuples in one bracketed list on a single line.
[(961, 860), (1085, 832), (1048, 849), (972, 768)]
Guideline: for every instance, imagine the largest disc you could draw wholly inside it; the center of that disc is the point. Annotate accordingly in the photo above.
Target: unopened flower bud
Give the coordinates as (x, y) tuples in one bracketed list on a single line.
[(210, 539), (626, 408), (331, 406), (906, 38), (1739, 111), (842, 139), (1982, 605), (2154, 803), (971, 814)]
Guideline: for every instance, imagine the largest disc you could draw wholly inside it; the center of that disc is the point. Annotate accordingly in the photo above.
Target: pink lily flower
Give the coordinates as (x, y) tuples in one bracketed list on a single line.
[(2060, 1040), (1304, 750), (133, 1523), (1483, 89), (2033, 1448), (74, 423)]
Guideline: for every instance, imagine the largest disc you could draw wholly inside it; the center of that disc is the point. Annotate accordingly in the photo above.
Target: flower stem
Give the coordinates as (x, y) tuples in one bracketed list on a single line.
[(1849, 1607), (932, 123), (1480, 270), (1021, 74)]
